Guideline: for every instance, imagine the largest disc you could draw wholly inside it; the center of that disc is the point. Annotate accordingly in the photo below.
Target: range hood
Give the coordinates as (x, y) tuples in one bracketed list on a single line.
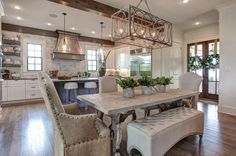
[(67, 47)]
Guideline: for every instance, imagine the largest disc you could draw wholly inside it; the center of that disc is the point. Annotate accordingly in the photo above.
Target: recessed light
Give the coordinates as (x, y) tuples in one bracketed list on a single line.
[(185, 1), (197, 23), (17, 7), (73, 28), (109, 35), (18, 18), (49, 24), (93, 32)]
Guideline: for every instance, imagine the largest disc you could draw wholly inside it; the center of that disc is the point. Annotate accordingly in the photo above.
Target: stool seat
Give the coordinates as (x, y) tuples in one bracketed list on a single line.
[(90, 85), (70, 85)]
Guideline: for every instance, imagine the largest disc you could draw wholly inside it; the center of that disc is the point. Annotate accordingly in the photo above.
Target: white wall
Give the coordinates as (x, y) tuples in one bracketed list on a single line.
[(227, 92), (169, 61), (205, 33)]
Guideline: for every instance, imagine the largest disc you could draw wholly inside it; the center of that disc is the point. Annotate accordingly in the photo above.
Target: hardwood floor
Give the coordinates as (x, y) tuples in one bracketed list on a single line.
[(27, 131)]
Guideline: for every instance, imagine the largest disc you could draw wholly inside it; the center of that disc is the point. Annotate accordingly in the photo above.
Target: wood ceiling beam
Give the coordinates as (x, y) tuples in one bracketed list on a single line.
[(89, 6), (41, 32)]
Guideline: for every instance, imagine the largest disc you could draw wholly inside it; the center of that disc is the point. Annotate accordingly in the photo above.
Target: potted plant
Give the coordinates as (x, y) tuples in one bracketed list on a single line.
[(147, 83), (128, 85), (162, 82)]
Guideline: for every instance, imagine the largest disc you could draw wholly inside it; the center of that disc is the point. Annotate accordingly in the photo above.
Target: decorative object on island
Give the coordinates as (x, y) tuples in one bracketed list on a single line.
[(162, 82), (128, 85), (86, 74), (103, 56), (147, 84), (134, 26)]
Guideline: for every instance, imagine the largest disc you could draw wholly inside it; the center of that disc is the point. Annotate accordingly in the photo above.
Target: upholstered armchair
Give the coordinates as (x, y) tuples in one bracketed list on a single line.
[(83, 135), (190, 81)]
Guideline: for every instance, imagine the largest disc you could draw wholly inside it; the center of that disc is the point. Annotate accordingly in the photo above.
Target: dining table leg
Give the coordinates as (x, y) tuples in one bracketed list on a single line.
[(117, 134)]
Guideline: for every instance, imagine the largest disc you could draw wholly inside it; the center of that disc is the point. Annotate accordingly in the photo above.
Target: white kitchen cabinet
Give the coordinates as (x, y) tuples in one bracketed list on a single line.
[(122, 57), (4, 91), (15, 90), (32, 89)]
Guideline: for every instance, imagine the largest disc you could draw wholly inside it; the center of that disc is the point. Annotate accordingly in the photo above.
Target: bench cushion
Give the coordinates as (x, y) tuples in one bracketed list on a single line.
[(156, 134), (156, 123)]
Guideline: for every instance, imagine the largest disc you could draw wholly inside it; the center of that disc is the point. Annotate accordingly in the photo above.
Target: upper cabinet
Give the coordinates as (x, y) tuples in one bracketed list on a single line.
[(122, 57)]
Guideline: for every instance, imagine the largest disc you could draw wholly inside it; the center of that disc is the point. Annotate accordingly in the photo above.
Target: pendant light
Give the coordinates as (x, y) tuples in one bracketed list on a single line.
[(64, 47), (101, 50)]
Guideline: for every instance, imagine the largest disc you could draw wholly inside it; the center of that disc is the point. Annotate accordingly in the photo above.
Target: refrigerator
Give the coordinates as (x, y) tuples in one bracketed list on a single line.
[(141, 62)]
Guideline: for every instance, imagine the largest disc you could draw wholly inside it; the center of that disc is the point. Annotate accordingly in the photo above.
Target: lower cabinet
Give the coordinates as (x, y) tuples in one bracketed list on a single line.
[(13, 90)]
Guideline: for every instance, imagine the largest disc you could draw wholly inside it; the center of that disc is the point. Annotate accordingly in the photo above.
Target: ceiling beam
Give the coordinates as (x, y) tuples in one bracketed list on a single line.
[(41, 32), (89, 6)]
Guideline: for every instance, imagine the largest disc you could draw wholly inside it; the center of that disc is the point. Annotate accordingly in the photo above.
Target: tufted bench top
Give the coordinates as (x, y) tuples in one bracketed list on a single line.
[(151, 125)]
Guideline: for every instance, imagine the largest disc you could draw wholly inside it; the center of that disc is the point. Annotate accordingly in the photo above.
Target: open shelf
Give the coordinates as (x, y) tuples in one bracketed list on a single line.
[(11, 42), (11, 54), (10, 65)]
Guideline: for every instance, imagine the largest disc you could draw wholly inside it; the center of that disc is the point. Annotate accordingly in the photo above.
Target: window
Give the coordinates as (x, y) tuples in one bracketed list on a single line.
[(34, 57), (92, 60)]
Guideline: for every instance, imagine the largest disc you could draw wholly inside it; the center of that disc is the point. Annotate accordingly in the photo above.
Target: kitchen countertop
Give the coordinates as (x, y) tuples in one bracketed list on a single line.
[(22, 79), (77, 79)]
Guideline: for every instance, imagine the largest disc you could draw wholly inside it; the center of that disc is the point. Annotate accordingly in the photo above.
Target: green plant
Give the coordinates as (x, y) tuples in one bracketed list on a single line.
[(163, 80), (86, 74), (212, 61), (195, 63), (126, 82), (146, 81)]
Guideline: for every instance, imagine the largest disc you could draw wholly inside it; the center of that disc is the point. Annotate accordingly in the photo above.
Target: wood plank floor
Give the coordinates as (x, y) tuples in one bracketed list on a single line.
[(27, 131)]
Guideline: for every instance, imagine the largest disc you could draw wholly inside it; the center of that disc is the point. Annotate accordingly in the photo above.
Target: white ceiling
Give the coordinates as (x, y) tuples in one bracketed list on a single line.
[(35, 13)]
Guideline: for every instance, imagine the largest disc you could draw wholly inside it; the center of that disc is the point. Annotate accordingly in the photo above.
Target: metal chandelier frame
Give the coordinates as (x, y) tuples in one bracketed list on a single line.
[(134, 26)]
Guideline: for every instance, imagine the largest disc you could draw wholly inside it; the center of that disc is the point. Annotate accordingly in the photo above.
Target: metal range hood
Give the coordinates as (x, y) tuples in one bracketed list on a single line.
[(67, 47)]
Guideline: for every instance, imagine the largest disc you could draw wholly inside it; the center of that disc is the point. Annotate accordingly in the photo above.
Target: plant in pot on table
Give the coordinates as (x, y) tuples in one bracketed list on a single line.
[(147, 83), (162, 82), (128, 85)]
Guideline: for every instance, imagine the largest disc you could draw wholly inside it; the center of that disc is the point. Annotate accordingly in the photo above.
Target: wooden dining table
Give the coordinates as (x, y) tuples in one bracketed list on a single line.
[(115, 105)]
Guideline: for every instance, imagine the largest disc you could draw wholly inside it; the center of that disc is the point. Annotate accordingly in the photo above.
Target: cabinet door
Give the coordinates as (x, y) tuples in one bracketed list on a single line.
[(122, 57), (4, 92), (16, 92)]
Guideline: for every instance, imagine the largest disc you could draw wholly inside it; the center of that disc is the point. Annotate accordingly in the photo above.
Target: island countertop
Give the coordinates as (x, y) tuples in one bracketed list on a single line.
[(77, 79)]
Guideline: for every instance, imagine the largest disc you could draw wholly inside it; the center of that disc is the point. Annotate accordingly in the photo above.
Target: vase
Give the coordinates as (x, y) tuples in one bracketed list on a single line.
[(102, 69), (128, 92), (162, 89), (146, 90)]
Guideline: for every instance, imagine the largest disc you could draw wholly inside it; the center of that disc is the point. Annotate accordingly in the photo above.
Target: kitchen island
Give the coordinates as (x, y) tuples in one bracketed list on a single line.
[(59, 84)]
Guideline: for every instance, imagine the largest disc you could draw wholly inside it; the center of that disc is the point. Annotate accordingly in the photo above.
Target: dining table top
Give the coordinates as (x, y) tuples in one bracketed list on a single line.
[(114, 102)]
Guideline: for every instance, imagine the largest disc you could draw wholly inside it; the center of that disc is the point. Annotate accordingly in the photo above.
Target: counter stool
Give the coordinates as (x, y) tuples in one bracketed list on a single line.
[(91, 86), (69, 87)]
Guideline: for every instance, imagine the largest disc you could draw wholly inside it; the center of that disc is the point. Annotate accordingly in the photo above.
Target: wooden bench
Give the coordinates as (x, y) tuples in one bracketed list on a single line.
[(155, 135)]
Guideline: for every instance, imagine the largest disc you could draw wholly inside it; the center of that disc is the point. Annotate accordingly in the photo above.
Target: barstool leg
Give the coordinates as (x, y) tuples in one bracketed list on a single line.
[(75, 100), (67, 96)]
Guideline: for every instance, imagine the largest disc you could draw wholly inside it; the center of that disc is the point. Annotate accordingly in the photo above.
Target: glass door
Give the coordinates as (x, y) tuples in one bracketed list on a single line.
[(196, 50), (213, 74), (202, 53)]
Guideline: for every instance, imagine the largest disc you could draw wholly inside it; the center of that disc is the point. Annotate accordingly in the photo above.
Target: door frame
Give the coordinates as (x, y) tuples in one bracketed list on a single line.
[(205, 86)]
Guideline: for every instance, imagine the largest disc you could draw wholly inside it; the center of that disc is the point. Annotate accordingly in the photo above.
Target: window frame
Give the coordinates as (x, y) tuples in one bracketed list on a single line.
[(27, 57), (96, 59)]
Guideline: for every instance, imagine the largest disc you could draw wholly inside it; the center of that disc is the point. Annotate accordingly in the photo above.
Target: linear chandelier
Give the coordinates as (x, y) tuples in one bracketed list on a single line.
[(134, 26)]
